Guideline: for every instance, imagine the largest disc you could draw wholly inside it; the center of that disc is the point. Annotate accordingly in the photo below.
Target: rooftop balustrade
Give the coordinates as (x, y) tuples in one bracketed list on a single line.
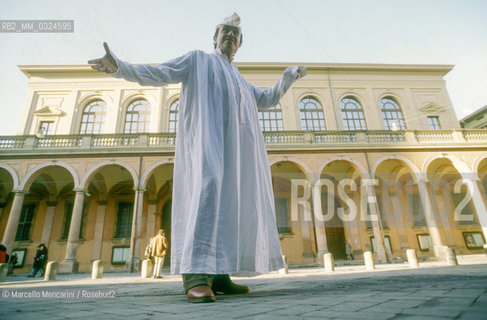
[(285, 140)]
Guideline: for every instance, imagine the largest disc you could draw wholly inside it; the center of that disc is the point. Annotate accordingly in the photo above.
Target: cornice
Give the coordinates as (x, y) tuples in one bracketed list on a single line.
[(80, 70)]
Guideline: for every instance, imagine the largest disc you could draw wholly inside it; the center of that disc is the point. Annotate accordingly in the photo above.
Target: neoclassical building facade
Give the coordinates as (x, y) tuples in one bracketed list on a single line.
[(365, 156)]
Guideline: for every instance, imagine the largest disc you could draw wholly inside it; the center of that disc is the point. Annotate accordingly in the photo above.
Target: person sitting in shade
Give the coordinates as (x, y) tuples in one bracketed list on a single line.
[(158, 249), (223, 216)]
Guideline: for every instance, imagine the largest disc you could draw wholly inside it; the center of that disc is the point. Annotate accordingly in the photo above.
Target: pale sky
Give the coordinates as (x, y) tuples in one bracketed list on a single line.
[(328, 31)]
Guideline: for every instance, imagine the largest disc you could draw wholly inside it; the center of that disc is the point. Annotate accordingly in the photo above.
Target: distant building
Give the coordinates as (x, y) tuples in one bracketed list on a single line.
[(475, 120), (90, 172)]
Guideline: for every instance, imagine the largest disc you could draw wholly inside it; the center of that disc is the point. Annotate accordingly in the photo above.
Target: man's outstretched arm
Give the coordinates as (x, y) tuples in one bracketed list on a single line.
[(173, 71), (270, 97)]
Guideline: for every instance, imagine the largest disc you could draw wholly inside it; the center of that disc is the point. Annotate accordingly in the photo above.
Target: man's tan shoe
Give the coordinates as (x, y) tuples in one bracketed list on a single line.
[(200, 294)]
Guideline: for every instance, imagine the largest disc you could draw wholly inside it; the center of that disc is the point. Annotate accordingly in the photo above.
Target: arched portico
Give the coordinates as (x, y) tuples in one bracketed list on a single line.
[(460, 206), (89, 174), (13, 174), (32, 218), (292, 193), (116, 204), (340, 193), (399, 203), (31, 174), (158, 182)]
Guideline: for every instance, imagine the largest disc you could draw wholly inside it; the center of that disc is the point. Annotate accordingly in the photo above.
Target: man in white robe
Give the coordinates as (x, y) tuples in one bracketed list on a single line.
[(223, 219)]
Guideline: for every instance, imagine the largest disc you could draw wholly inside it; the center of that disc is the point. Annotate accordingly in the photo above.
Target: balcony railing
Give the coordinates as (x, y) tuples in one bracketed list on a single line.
[(273, 140), (58, 142), (473, 135), (114, 141)]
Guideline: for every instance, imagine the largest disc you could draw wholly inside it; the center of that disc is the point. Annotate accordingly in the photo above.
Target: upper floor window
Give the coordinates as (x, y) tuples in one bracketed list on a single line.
[(271, 119), (46, 128), (311, 111), (137, 118), (392, 114), (124, 220), (93, 119), (25, 222), (434, 122), (352, 114), (173, 116), (282, 217)]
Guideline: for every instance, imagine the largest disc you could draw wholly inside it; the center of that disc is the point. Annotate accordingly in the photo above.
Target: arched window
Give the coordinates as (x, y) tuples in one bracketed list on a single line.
[(173, 116), (271, 119), (137, 118), (352, 114), (311, 114), (93, 119), (392, 114)]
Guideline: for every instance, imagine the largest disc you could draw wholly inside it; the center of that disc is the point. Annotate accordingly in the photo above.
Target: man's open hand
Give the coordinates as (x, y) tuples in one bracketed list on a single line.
[(106, 64), (302, 71)]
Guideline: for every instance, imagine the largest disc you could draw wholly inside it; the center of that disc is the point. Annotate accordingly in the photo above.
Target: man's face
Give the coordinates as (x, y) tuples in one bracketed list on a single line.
[(228, 39)]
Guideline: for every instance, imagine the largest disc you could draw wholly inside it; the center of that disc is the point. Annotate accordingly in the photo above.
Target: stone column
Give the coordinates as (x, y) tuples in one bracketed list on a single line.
[(151, 220), (13, 221), (318, 217), (134, 257), (393, 193), (308, 255), (46, 232), (371, 200), (353, 228), (69, 264), (479, 204), (301, 211), (99, 227), (430, 218), (442, 206)]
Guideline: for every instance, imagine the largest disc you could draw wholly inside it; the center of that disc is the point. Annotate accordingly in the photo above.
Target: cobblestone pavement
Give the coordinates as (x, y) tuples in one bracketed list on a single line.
[(391, 292)]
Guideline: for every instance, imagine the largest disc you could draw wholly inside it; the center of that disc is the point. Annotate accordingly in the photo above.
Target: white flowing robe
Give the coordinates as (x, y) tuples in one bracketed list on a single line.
[(223, 217)]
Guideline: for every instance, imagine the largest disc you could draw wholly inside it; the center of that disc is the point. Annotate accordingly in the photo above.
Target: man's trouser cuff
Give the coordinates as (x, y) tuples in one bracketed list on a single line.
[(191, 280)]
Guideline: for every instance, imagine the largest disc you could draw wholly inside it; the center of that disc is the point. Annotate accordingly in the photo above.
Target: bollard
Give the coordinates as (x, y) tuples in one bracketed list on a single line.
[(412, 259), (328, 262), (146, 270), (3, 271), (450, 256), (97, 269), (52, 268), (369, 260), (285, 269)]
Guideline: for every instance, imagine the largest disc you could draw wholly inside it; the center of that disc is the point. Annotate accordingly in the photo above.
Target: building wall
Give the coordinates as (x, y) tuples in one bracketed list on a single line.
[(294, 245), (61, 95), (50, 170), (476, 120)]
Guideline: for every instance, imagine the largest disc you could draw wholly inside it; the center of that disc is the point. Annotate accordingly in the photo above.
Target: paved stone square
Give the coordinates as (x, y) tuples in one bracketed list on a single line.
[(434, 291)]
